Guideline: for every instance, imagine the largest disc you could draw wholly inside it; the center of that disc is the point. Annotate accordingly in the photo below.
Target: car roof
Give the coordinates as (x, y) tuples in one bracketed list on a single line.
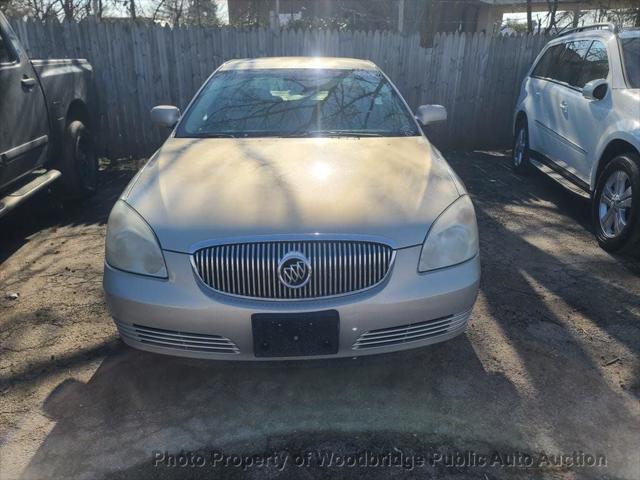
[(331, 63), (586, 34), (602, 34)]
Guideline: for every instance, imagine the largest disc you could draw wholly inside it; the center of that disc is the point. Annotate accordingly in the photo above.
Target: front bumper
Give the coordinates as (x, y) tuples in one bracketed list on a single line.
[(180, 316)]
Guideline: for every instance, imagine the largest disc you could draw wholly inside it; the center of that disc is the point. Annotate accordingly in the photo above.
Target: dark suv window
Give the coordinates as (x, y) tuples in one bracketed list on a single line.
[(571, 63), (6, 56), (631, 55), (574, 63), (596, 64), (549, 62)]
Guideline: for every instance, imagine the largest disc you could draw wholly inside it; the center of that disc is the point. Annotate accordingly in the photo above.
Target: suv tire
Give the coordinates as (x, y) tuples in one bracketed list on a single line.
[(520, 155), (616, 205)]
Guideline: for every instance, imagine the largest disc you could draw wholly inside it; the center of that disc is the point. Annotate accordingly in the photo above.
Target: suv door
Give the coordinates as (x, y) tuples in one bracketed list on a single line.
[(543, 116), (23, 113), (581, 119)]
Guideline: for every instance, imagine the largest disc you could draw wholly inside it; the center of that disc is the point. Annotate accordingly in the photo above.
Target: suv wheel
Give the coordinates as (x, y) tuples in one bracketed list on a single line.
[(520, 156), (79, 164), (616, 204)]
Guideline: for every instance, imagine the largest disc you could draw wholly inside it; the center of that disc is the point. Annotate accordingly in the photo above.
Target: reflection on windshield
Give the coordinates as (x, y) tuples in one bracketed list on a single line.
[(302, 102)]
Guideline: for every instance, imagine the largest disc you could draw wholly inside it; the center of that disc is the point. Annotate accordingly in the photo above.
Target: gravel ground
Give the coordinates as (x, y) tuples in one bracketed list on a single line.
[(549, 363)]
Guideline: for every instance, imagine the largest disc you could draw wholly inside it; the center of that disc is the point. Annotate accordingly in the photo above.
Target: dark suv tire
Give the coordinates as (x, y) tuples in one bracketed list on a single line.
[(616, 205), (520, 155), (79, 163)]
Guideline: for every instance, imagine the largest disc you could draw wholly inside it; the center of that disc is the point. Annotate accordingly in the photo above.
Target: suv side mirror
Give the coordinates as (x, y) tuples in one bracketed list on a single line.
[(428, 114), (595, 89), (165, 115)]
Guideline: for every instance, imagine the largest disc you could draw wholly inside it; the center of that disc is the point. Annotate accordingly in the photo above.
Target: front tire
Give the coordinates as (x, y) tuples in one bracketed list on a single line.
[(79, 164), (616, 205), (520, 155)]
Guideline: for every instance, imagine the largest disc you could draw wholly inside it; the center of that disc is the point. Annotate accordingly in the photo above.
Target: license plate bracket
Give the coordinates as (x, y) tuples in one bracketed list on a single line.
[(295, 334)]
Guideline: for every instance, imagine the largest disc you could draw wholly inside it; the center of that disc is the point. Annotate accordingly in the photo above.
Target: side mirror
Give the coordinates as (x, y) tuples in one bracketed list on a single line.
[(595, 89), (428, 114), (165, 115)]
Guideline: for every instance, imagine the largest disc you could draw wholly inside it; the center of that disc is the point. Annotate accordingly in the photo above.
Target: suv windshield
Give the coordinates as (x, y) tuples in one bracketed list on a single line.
[(297, 102), (631, 55)]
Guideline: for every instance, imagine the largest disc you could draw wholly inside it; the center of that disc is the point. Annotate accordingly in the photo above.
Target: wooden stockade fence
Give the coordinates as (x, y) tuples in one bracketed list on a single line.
[(474, 75)]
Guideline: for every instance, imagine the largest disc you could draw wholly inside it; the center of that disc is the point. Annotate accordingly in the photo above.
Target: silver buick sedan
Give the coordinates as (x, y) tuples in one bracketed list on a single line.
[(296, 211)]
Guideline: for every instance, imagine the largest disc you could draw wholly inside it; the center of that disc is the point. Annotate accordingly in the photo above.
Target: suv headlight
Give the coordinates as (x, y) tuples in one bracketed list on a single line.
[(131, 245), (453, 237)]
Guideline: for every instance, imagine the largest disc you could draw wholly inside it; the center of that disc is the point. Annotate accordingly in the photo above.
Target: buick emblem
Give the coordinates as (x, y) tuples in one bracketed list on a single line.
[(294, 270)]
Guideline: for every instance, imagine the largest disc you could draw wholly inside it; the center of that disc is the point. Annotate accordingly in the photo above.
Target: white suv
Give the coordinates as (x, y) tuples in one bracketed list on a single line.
[(578, 119)]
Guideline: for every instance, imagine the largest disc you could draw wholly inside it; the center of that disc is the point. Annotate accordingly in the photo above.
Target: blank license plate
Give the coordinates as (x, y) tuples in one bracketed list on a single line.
[(295, 334)]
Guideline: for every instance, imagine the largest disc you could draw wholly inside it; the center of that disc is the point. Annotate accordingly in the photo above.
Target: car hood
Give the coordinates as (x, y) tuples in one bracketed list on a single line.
[(198, 190)]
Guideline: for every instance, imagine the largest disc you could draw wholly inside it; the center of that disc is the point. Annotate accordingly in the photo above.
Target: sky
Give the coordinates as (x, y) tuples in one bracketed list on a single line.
[(223, 11)]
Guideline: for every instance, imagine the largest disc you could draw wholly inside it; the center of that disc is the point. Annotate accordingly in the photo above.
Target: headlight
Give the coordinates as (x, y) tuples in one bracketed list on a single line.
[(453, 237), (131, 244)]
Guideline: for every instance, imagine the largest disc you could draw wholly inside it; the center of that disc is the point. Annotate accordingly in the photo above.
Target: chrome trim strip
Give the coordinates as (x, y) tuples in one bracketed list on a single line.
[(177, 340), (24, 148), (295, 237), (409, 335), (412, 332), (392, 332)]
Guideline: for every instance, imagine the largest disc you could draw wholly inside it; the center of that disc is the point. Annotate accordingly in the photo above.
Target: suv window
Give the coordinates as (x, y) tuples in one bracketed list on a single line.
[(574, 63), (6, 56), (631, 55), (571, 64), (549, 62), (596, 64)]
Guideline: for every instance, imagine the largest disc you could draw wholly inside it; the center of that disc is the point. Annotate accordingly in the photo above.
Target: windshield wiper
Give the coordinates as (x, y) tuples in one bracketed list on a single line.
[(216, 135), (333, 133)]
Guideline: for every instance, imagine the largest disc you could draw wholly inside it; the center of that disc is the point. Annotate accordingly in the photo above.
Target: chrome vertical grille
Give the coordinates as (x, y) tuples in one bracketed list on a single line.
[(251, 269)]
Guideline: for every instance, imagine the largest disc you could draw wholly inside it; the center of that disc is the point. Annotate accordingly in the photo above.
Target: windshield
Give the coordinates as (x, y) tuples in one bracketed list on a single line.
[(631, 55), (297, 102)]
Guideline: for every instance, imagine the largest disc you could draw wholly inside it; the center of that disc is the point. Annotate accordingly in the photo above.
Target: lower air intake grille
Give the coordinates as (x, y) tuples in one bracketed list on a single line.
[(196, 342), (414, 332)]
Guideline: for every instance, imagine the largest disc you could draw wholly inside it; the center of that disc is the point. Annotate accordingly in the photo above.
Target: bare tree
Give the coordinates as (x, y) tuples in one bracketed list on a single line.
[(529, 19), (38, 9), (576, 14), (553, 8), (186, 12), (202, 13), (172, 11)]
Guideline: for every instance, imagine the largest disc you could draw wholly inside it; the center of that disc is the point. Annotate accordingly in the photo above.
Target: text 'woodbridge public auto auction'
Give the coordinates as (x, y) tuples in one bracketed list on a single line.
[(283, 460)]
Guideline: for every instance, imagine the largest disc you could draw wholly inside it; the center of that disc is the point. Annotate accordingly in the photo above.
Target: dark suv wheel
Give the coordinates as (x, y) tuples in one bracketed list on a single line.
[(616, 205), (79, 164), (520, 155)]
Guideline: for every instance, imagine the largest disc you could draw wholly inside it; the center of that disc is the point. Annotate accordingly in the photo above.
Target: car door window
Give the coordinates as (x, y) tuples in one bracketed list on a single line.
[(571, 66), (548, 64), (596, 64), (6, 55)]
